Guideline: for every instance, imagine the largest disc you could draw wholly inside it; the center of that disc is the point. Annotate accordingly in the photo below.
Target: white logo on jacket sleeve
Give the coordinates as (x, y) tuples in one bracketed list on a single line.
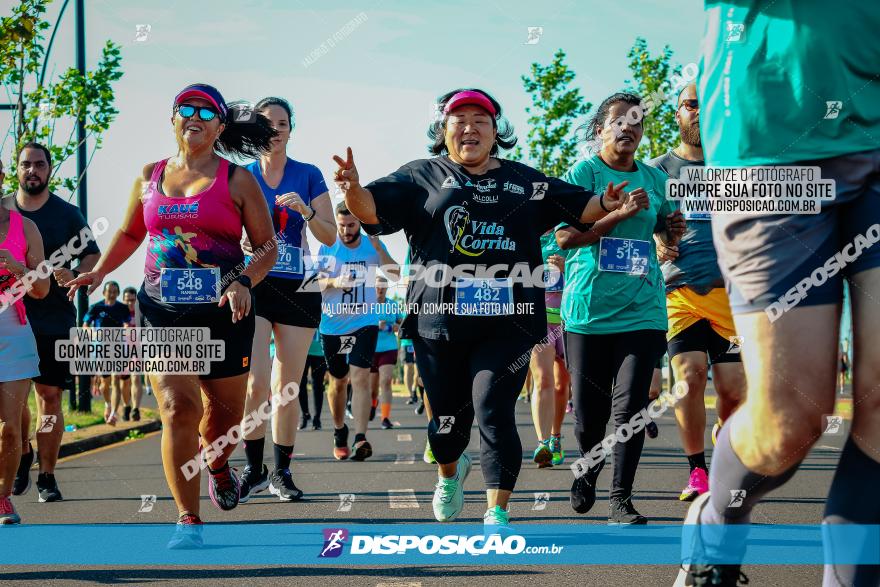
[(513, 188), (450, 182)]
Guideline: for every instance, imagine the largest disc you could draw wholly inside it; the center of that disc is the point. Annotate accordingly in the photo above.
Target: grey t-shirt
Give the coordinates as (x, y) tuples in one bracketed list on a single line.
[(58, 223), (697, 264)]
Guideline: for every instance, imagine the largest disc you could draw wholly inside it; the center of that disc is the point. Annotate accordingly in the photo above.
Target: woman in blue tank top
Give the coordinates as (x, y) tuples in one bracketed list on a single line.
[(297, 198)]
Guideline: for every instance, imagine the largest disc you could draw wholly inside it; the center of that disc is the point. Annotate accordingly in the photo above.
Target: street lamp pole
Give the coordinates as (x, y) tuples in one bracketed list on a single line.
[(84, 401)]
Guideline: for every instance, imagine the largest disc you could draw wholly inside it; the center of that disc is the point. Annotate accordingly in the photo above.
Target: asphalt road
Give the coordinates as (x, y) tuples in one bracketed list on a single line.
[(105, 487)]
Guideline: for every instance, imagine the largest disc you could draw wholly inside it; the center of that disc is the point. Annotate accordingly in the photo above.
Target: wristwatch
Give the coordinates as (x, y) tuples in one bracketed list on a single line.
[(312, 215), (244, 280)]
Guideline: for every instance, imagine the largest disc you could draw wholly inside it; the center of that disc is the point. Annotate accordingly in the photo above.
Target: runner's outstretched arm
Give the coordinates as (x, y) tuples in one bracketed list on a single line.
[(571, 238), (125, 242)]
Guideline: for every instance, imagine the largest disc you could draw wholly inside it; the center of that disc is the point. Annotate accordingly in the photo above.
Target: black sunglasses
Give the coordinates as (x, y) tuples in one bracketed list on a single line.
[(188, 111), (691, 105)]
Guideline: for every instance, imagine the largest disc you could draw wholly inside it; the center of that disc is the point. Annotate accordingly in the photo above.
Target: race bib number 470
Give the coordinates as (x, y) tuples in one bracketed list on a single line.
[(190, 286)]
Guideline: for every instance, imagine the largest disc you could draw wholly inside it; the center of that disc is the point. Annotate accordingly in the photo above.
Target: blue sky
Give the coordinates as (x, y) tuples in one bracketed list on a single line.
[(373, 90)]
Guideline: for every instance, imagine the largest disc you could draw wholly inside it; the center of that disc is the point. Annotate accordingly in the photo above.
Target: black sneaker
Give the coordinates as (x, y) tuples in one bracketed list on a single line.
[(583, 494), (420, 409), (126, 414), (316, 423), (282, 485), (412, 400), (304, 421), (136, 414), (386, 424), (22, 483), (721, 575), (372, 413), (224, 488), (624, 514), (362, 450), (48, 488), (651, 429), (252, 483), (340, 443)]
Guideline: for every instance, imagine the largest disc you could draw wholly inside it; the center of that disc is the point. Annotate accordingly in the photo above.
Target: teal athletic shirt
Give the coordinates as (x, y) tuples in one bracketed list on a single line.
[(764, 88), (603, 302), (552, 299), (316, 349)]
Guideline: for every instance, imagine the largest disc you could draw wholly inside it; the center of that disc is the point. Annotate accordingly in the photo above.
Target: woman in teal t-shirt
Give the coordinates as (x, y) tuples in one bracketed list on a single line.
[(614, 305)]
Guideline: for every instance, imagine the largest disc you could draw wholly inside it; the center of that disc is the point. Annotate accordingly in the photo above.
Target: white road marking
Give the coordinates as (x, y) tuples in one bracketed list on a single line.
[(405, 459), (402, 499)]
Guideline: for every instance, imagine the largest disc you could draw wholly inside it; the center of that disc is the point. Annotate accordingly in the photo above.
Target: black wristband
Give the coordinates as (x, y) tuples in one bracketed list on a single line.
[(602, 203), (312, 215), (244, 280)]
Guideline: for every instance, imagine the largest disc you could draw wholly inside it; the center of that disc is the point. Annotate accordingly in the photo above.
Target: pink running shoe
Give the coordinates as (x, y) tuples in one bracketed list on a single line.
[(8, 515), (698, 484)]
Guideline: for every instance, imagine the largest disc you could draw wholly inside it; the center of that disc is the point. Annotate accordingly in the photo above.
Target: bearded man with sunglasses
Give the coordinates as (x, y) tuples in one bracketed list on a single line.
[(701, 330)]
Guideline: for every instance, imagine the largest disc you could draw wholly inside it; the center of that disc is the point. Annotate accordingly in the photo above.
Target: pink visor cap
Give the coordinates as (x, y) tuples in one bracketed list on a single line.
[(469, 97), (206, 92)]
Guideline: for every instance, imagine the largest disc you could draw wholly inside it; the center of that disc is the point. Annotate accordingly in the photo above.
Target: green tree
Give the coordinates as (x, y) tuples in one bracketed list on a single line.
[(555, 109), (43, 106), (658, 82)]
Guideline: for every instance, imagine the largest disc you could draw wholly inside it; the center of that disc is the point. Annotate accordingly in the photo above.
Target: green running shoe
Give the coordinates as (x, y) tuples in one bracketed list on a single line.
[(428, 457), (556, 449), (543, 455), (449, 494), (496, 517)]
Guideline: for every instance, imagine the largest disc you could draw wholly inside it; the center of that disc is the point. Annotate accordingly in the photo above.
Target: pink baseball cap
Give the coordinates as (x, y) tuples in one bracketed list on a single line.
[(469, 97), (206, 92)]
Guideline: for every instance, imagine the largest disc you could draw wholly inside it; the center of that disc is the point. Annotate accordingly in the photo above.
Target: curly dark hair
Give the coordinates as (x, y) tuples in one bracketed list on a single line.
[(505, 139), (594, 125)]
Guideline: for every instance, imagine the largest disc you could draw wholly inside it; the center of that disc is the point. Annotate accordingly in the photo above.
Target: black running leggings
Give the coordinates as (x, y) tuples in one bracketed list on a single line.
[(611, 373), (318, 367), (482, 377)]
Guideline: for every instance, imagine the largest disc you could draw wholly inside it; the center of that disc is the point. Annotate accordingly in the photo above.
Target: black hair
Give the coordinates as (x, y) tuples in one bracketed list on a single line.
[(597, 121), (245, 137), (36, 145), (281, 103), (108, 284), (130, 290), (342, 209), (505, 138)]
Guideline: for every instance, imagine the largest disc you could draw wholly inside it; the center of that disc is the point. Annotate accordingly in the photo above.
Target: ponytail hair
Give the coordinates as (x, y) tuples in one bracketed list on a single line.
[(247, 135)]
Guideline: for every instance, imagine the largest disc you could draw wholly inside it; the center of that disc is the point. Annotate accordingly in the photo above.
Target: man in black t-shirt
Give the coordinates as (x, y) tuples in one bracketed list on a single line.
[(63, 228), (109, 313)]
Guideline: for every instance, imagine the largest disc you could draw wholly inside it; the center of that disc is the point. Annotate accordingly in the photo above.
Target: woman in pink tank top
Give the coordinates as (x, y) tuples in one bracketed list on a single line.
[(194, 208), (21, 251)]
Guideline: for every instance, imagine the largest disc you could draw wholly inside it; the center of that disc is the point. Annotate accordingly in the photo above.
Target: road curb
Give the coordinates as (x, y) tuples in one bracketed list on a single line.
[(87, 444)]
